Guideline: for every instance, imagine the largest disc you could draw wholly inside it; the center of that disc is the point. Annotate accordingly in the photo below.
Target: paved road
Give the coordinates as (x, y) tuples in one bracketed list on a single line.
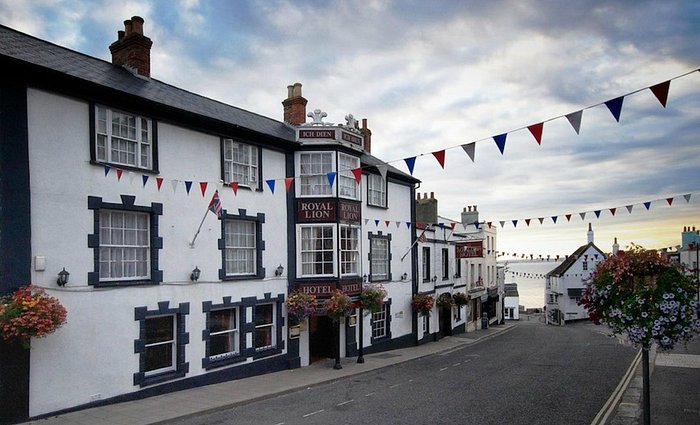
[(532, 374)]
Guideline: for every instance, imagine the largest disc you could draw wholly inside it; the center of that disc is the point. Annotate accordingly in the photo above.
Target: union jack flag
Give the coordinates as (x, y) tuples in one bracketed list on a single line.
[(215, 204)]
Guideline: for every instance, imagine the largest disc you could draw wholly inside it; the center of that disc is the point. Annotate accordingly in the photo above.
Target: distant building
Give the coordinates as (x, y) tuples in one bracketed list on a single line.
[(511, 302), (689, 250), (565, 284)]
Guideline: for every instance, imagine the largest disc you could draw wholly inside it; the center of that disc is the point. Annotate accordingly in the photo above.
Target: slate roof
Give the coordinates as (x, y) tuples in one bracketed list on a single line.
[(31, 50), (511, 290), (571, 259)]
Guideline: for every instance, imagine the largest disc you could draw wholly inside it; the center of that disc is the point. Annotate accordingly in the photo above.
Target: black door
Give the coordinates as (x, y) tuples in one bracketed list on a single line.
[(445, 318), (322, 337)]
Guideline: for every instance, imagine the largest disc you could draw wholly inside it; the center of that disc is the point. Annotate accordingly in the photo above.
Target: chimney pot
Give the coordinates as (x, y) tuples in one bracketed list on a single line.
[(137, 24), (474, 207), (132, 49), (120, 34), (294, 106), (127, 26), (366, 136), (465, 209), (469, 207)]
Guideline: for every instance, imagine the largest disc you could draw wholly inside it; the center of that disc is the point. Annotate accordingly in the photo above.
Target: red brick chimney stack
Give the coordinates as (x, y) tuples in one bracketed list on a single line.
[(132, 49), (294, 105), (367, 135)]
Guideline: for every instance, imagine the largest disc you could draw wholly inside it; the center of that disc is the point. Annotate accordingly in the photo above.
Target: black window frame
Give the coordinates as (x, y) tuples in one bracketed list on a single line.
[(425, 266), (207, 308), (182, 339), (387, 324), (445, 263), (259, 220), (386, 237), (155, 242)]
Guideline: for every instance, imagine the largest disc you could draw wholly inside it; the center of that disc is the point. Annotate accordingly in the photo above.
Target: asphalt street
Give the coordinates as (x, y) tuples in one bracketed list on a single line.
[(530, 374)]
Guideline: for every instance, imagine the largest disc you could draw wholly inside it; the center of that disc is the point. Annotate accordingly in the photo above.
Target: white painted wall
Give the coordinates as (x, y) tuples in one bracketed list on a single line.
[(94, 351), (512, 302)]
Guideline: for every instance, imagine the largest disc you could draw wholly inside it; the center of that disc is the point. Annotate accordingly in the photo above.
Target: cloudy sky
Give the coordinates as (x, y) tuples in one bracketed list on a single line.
[(436, 75)]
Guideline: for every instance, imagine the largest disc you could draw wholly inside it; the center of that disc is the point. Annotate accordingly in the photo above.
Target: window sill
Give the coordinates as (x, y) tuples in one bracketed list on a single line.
[(377, 206), (117, 283), (125, 167), (144, 381), (208, 364), (241, 277)]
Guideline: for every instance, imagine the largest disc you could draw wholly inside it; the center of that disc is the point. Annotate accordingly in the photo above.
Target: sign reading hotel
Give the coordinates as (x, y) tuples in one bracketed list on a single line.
[(351, 287), (469, 250), (318, 289), (349, 211), (316, 211), (317, 134)]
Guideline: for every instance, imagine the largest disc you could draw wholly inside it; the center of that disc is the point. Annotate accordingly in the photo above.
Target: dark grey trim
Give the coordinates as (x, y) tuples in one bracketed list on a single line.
[(154, 142), (207, 307), (156, 242), (386, 237), (445, 261), (259, 220), (182, 338), (249, 326), (423, 256)]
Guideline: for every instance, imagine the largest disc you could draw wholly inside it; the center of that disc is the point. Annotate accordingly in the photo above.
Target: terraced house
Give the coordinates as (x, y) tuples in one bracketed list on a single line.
[(184, 224)]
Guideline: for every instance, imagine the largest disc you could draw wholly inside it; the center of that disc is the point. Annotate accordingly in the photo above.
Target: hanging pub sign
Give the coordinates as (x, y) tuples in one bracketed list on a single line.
[(349, 211), (469, 250), (316, 211)]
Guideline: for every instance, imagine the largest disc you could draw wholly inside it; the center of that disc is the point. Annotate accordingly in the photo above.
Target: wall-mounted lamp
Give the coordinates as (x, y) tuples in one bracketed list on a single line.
[(62, 277), (195, 274), (404, 276), (279, 270), (364, 278), (434, 279)]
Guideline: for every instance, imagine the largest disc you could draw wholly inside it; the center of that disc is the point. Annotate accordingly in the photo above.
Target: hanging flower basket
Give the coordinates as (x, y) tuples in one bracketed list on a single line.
[(372, 297), (423, 304), (445, 300), (29, 313), (640, 294), (460, 299), (338, 305), (300, 305)]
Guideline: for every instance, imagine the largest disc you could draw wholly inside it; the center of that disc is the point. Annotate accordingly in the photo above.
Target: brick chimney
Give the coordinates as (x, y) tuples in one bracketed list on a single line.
[(427, 209), (471, 216), (294, 105), (132, 49), (367, 136)]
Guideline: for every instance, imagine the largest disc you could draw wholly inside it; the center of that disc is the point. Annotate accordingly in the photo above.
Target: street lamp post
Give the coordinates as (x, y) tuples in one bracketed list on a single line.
[(360, 353), (694, 246)]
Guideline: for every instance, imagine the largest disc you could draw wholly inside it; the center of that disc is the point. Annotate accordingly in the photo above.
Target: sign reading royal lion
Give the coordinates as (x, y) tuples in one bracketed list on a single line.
[(316, 211), (469, 250)]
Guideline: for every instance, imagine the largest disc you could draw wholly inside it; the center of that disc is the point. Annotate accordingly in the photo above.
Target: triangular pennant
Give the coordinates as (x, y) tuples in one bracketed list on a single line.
[(612, 211), (376, 222), (527, 221), (366, 221), (398, 224), (288, 183), (159, 182), (647, 205), (408, 224), (503, 223), (554, 219), (440, 156), (107, 168), (568, 217), (629, 208), (669, 200), (500, 141), (536, 130), (452, 225), (144, 178), (477, 225), (441, 226), (661, 91), (515, 223), (489, 224), (387, 222), (357, 172), (382, 170), (597, 213), (203, 187), (469, 149), (271, 185), (331, 178), (188, 186), (541, 219), (410, 163), (687, 197), (464, 226), (174, 184), (615, 107), (583, 215), (234, 186), (119, 174), (575, 120)]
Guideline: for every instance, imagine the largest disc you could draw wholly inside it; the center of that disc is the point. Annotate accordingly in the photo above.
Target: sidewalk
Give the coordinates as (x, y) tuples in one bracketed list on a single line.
[(674, 389), (191, 402)]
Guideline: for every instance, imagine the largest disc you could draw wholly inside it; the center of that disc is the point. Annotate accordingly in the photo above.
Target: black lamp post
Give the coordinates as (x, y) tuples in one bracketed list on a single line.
[(696, 247), (337, 364), (361, 354)]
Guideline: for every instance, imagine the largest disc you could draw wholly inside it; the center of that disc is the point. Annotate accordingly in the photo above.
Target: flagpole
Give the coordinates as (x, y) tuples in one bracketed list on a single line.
[(414, 242), (199, 228)]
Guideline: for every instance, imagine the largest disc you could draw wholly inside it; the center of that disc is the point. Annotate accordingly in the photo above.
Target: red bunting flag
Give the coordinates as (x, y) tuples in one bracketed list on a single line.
[(453, 226), (536, 130), (234, 186), (203, 187), (612, 211), (357, 172), (288, 182), (568, 217), (669, 200), (119, 174), (440, 156), (527, 221), (159, 182), (661, 91), (387, 222)]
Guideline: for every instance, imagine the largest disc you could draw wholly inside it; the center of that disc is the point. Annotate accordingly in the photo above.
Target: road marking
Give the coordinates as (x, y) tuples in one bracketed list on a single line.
[(394, 386), (610, 405), (444, 368), (370, 394), (456, 364), (313, 413), (345, 402)]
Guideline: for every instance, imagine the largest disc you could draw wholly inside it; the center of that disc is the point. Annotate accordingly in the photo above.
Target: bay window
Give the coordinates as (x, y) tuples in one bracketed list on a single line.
[(347, 185), (313, 173), (349, 250), (317, 249)]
